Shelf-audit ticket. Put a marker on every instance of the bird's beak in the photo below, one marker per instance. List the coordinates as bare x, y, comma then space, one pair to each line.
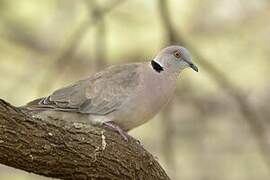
194, 67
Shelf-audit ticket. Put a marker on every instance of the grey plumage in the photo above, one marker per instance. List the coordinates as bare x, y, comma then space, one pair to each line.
98, 95
126, 95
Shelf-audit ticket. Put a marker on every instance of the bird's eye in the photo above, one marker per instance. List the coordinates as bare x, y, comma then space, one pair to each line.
177, 54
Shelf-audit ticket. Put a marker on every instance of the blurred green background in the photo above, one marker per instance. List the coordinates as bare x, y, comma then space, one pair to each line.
216, 128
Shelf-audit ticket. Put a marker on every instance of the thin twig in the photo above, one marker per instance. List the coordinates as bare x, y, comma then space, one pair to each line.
66, 56
224, 82
100, 37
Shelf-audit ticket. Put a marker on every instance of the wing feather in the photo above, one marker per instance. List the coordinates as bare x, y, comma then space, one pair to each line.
100, 94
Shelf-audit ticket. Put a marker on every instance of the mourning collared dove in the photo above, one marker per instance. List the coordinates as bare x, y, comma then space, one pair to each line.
121, 97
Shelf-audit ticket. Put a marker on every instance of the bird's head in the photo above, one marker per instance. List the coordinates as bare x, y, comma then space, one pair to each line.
173, 59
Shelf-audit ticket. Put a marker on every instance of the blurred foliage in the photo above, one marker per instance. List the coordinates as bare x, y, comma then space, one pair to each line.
49, 43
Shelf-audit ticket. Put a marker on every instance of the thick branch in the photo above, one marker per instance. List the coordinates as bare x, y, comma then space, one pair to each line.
65, 150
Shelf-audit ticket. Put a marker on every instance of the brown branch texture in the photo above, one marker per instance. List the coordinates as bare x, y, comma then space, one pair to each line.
67, 150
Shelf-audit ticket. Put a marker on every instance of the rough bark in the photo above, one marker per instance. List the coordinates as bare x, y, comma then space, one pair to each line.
65, 150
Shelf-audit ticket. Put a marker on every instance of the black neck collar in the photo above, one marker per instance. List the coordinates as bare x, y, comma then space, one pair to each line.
157, 67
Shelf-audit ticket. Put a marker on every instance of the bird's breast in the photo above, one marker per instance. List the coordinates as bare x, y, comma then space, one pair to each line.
155, 92
158, 91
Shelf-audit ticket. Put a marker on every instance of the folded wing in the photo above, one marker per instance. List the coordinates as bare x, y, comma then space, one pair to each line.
100, 94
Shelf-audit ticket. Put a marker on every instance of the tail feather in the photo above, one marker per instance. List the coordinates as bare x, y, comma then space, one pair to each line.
37, 105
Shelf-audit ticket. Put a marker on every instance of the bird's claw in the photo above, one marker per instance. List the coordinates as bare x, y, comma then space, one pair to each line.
116, 128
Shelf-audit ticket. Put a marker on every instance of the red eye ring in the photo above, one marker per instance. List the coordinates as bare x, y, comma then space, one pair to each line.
177, 54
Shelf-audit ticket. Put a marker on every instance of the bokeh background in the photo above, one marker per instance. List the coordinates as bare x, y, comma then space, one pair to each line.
216, 128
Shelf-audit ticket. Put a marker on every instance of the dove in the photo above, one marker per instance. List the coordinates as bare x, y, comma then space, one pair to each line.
120, 97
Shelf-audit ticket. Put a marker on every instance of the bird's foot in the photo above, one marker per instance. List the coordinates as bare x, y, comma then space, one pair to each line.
116, 128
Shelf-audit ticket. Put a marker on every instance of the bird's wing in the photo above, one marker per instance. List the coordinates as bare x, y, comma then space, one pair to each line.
100, 94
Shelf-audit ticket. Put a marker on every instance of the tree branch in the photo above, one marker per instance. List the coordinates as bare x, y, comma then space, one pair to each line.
250, 115
66, 56
66, 150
